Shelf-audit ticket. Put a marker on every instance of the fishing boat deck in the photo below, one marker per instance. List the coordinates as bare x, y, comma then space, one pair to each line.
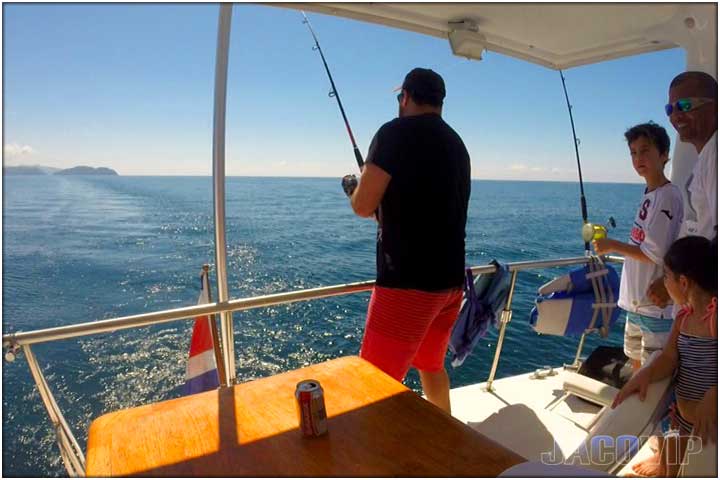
527, 415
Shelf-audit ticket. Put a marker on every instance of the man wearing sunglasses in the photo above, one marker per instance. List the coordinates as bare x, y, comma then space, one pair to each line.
417, 183
692, 109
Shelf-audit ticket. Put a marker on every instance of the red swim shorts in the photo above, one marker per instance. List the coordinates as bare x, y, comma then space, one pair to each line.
407, 328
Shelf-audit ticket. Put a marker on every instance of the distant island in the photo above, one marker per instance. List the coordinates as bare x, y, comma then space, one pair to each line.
41, 170
83, 170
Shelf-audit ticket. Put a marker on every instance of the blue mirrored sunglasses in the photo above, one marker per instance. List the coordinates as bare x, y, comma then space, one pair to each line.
686, 104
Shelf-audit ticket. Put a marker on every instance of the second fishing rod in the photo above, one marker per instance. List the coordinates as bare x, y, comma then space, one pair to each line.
590, 231
334, 93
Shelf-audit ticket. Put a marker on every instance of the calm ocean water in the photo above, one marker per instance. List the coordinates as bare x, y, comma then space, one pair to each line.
79, 249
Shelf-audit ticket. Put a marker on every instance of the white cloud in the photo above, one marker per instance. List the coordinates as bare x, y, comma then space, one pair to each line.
519, 167
13, 150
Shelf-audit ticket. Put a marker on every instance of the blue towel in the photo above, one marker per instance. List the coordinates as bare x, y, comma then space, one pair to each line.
484, 300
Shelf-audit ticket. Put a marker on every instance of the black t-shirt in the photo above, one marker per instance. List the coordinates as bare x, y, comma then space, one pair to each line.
421, 228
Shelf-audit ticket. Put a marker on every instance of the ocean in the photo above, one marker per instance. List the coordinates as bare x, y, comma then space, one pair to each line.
78, 249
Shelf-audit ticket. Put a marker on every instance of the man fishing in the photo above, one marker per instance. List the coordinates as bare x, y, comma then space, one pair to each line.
416, 182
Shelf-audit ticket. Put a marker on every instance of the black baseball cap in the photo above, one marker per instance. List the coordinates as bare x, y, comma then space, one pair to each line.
425, 86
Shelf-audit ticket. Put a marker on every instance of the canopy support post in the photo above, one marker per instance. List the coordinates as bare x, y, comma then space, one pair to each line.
221, 69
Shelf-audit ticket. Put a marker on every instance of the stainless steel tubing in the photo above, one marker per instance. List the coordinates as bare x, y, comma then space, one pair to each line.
65, 437
221, 68
504, 320
164, 316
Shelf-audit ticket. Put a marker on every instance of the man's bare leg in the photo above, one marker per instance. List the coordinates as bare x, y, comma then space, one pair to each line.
436, 386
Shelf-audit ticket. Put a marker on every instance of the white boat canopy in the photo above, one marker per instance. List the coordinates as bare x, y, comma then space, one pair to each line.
557, 35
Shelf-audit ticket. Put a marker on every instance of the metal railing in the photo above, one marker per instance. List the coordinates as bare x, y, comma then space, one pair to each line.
70, 451
19, 339
218, 151
72, 454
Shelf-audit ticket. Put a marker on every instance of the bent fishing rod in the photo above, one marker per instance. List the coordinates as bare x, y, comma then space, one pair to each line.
576, 141
334, 93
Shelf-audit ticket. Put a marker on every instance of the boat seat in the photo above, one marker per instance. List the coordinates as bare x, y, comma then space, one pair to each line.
631, 420
700, 460
589, 389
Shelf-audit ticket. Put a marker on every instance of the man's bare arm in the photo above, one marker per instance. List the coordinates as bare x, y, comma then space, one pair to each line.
369, 192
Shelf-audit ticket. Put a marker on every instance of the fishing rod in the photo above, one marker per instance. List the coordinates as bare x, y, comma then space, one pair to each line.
576, 141
334, 93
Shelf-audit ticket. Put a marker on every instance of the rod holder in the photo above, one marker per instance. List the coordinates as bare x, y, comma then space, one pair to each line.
505, 318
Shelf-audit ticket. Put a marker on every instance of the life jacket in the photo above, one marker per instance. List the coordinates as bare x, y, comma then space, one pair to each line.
585, 299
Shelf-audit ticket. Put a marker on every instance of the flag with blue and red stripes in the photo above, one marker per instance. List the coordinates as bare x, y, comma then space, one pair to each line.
201, 373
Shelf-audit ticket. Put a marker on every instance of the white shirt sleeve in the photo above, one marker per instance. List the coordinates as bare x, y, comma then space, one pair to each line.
710, 190
663, 226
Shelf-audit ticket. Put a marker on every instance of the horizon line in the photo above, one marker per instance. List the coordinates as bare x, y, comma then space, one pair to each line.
329, 176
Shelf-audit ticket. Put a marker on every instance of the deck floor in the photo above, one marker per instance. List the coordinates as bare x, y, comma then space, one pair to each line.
531, 416
516, 414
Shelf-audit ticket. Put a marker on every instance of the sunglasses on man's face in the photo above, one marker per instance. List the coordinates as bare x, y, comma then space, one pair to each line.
400, 97
686, 104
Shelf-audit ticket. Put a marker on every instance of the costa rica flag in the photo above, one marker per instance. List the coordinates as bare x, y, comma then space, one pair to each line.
202, 372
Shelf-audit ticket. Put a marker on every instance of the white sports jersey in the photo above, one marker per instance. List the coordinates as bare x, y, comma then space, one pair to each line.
701, 187
657, 224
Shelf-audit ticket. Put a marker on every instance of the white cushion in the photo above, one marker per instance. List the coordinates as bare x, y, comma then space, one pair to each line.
589, 388
553, 316
633, 417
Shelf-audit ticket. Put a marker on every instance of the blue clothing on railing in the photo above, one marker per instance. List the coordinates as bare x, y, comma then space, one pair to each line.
484, 300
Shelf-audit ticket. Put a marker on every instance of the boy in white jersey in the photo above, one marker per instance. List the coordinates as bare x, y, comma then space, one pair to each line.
656, 226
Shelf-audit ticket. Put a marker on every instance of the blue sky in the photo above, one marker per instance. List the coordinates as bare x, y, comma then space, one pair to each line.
129, 86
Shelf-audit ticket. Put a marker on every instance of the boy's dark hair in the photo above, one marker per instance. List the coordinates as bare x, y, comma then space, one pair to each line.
653, 132
697, 259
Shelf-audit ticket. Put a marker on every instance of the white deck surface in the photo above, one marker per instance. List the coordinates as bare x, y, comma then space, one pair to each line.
515, 414
536, 419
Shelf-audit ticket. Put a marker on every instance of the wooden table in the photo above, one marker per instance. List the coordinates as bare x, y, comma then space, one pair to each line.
376, 427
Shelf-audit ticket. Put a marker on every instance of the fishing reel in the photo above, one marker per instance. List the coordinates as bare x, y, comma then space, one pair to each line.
595, 231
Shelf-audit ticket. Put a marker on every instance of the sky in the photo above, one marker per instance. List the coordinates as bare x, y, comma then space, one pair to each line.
130, 87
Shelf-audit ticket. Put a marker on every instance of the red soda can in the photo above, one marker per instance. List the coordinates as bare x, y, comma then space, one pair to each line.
311, 408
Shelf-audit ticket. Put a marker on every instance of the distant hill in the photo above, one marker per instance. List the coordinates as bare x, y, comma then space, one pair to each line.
29, 170
83, 170
21, 170
42, 170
